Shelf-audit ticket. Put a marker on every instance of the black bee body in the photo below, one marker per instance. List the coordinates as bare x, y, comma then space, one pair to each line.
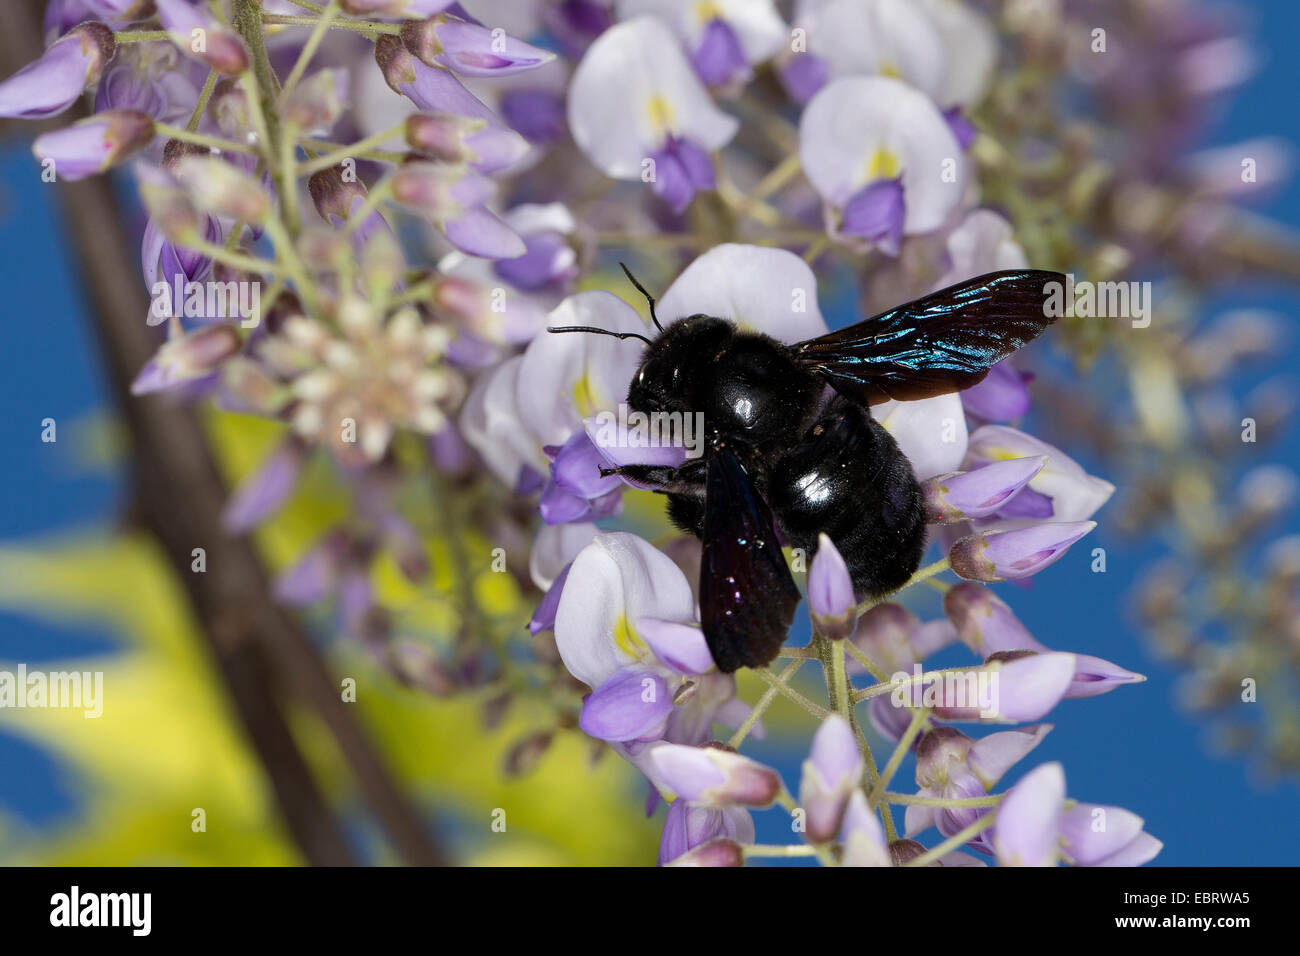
784, 463
845, 476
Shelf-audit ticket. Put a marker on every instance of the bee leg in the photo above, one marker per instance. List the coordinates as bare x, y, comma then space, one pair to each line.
687, 479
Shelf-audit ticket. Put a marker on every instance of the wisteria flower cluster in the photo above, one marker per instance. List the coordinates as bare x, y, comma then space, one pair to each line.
364, 217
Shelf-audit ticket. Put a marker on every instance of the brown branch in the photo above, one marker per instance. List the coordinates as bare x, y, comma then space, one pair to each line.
179, 496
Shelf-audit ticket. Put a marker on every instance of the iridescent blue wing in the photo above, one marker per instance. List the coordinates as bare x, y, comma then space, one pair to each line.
747, 596
942, 343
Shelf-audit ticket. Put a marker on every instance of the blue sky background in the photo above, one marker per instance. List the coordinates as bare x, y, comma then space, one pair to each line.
1133, 748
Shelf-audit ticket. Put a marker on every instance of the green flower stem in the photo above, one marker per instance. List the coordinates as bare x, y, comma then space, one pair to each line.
954, 842
896, 758
861, 657
212, 142
876, 690
915, 800
789, 692
237, 260
362, 149
764, 702
794, 849
841, 679
925, 573
287, 254
356, 26
376, 196
205, 95
309, 48
886, 816
289, 178
141, 36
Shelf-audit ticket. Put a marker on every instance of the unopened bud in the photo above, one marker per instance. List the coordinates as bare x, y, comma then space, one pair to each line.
219, 187
717, 852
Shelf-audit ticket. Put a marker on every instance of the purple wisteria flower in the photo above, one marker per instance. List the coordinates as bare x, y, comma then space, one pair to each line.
883, 159
426, 201
638, 112
52, 83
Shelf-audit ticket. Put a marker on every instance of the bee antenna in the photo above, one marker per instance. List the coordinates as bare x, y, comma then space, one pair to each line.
590, 328
648, 297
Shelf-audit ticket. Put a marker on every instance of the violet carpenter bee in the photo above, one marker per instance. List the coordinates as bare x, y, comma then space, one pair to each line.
784, 462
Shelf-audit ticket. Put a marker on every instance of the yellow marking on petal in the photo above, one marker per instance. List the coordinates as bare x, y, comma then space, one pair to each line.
891, 70
627, 639
884, 164
707, 11
584, 397
662, 117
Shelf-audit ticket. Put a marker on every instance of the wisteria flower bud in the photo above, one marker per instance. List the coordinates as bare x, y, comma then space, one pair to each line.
52, 83
174, 150
863, 836
442, 136
201, 36
1010, 688
717, 852
470, 49
168, 204
978, 493
524, 756
1029, 817
438, 190
984, 622
1022, 553
217, 185
95, 144
333, 196
712, 775
393, 8
830, 775
187, 357
830, 591
687, 826
317, 102
229, 106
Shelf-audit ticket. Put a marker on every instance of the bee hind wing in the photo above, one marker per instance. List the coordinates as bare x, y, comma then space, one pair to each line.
747, 596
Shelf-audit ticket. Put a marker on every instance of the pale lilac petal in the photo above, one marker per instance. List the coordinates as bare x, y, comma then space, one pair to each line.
876, 212
474, 50
760, 288
1141, 849
1094, 676
616, 580
1019, 553
715, 776
478, 232
989, 758
719, 56
803, 75
1093, 832
1028, 827
633, 89
981, 492
687, 826
863, 835
1075, 495
263, 492
1003, 396
629, 706
52, 83
830, 591
543, 618
678, 646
